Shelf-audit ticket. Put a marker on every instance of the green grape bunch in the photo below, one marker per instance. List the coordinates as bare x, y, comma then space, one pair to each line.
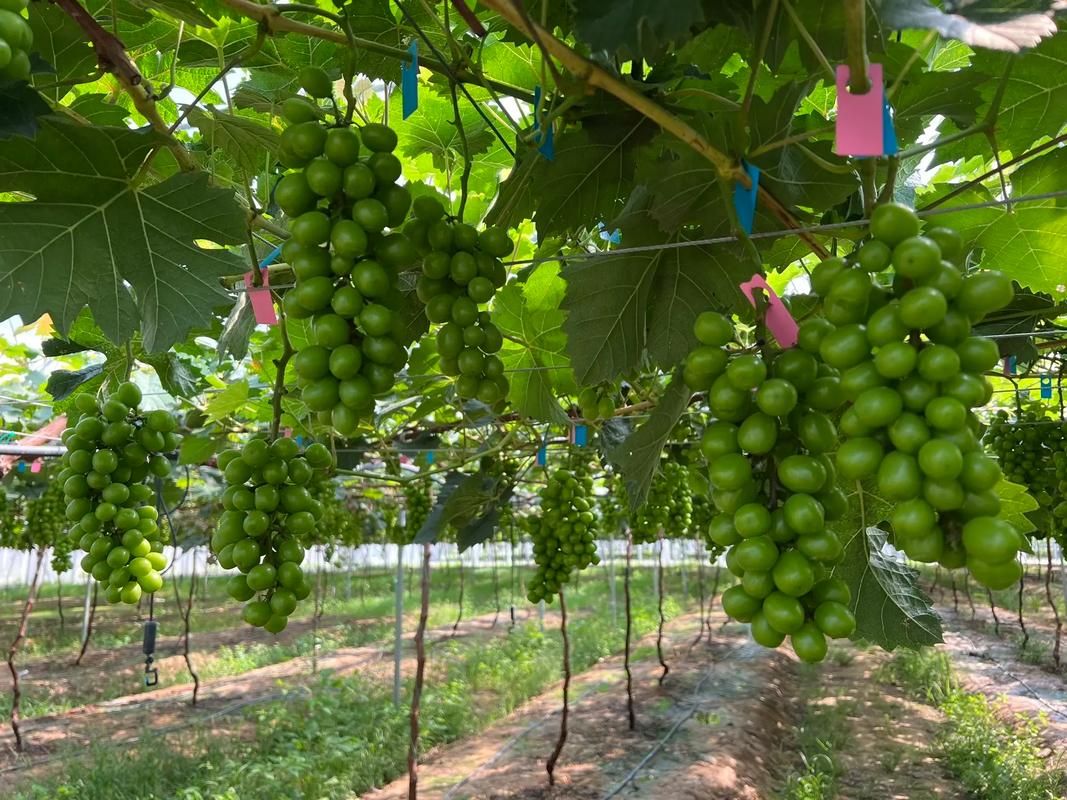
417, 506
1032, 451
113, 451
668, 507
461, 271
346, 251
12, 522
564, 532
911, 372
774, 488
16, 39
46, 525
270, 518
340, 524
597, 402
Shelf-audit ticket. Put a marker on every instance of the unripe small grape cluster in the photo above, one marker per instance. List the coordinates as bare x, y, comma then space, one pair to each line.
11, 520
1032, 451
597, 402
16, 40
46, 524
668, 507
461, 271
564, 532
113, 450
346, 253
417, 505
269, 520
912, 371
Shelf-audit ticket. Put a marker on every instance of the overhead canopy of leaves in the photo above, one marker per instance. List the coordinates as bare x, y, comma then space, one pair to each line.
91, 237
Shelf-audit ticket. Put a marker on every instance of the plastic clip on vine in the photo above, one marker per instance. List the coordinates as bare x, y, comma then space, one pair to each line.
112, 450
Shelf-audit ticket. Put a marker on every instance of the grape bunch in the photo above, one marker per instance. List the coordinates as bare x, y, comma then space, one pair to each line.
668, 507
46, 525
11, 521
775, 489
113, 450
417, 504
270, 519
1032, 451
911, 372
461, 271
597, 402
346, 253
16, 39
342, 525
564, 533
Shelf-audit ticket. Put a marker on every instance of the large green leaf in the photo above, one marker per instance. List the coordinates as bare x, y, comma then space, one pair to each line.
528, 314
432, 130
638, 456
377, 21
587, 182
1027, 243
1034, 96
91, 238
60, 41
891, 609
1015, 502
620, 308
20, 106
248, 142
635, 28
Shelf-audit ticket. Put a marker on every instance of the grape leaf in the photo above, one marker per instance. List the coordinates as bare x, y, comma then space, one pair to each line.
196, 449
227, 401
20, 106
466, 502
587, 182
248, 142
1015, 502
635, 28
1034, 92
375, 20
891, 609
620, 307
638, 456
60, 41
91, 238
433, 131
528, 314
96, 109
62, 383
183, 10
1026, 243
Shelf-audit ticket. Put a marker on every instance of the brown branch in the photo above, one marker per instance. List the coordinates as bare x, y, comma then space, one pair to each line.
111, 56
561, 740
276, 22
16, 689
592, 75
420, 671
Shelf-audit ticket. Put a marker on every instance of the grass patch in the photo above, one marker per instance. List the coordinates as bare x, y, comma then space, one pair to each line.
822, 732
994, 755
345, 737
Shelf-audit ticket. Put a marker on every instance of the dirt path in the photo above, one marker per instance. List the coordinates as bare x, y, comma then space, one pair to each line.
990, 665
887, 748
115, 719
723, 711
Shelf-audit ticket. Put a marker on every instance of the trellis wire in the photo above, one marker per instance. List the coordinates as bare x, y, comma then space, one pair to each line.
734, 239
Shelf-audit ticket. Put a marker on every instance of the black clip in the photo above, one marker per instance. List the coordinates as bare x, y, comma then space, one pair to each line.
151, 674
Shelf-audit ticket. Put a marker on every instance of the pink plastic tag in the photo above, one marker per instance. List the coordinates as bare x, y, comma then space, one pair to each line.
778, 319
860, 117
35, 467
262, 302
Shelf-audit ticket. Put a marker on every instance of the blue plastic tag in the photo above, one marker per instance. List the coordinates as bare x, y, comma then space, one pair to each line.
271, 257
1009, 365
409, 81
581, 435
542, 456
429, 456
546, 138
1046, 387
889, 133
745, 199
